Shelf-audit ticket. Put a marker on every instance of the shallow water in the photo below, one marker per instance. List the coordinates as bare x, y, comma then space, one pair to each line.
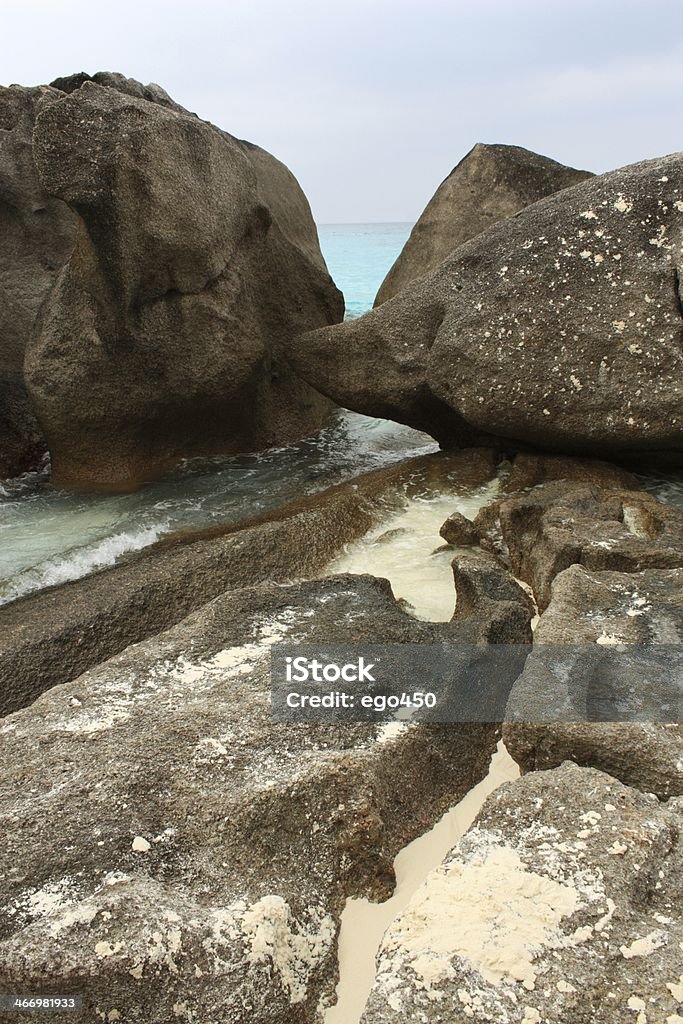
406, 549
49, 536
363, 923
666, 489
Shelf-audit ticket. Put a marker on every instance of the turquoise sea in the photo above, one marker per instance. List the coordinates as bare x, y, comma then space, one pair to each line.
358, 257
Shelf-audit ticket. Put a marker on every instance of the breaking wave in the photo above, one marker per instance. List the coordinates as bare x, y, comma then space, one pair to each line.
78, 562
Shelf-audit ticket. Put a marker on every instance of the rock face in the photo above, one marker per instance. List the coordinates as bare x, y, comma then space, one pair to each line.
168, 331
559, 327
560, 904
488, 185
599, 610
554, 525
37, 234
21, 442
605, 563
205, 852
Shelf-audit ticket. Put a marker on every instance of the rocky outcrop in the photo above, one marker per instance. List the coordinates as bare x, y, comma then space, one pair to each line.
604, 561
487, 592
152, 92
558, 328
196, 265
204, 852
607, 640
529, 469
560, 904
37, 234
488, 185
54, 635
546, 529
459, 531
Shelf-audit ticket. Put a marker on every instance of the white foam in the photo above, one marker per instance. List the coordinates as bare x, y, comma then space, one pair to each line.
406, 549
80, 562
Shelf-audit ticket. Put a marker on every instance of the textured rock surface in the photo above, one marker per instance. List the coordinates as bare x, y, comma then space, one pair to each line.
528, 470
459, 530
488, 592
37, 234
559, 327
488, 185
602, 609
114, 80
57, 634
561, 904
203, 853
21, 441
168, 331
552, 526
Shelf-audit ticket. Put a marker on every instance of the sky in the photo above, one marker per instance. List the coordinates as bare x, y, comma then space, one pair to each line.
372, 102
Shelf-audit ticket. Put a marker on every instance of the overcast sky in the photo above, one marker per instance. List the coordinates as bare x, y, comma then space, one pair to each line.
372, 102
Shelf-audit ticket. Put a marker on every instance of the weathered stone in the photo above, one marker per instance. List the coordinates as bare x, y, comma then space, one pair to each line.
203, 852
488, 185
459, 531
153, 93
552, 526
559, 328
561, 904
603, 609
487, 591
530, 469
37, 234
21, 442
54, 635
169, 330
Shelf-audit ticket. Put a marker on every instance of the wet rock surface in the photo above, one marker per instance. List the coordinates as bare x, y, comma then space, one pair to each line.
21, 442
459, 531
196, 265
489, 184
169, 850
560, 904
530, 468
559, 327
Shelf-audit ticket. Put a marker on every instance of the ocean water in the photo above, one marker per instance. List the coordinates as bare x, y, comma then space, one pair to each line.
359, 256
49, 536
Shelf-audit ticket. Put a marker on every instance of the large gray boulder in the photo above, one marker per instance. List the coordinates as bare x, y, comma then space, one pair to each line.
562, 904
559, 327
196, 266
37, 234
488, 185
171, 851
